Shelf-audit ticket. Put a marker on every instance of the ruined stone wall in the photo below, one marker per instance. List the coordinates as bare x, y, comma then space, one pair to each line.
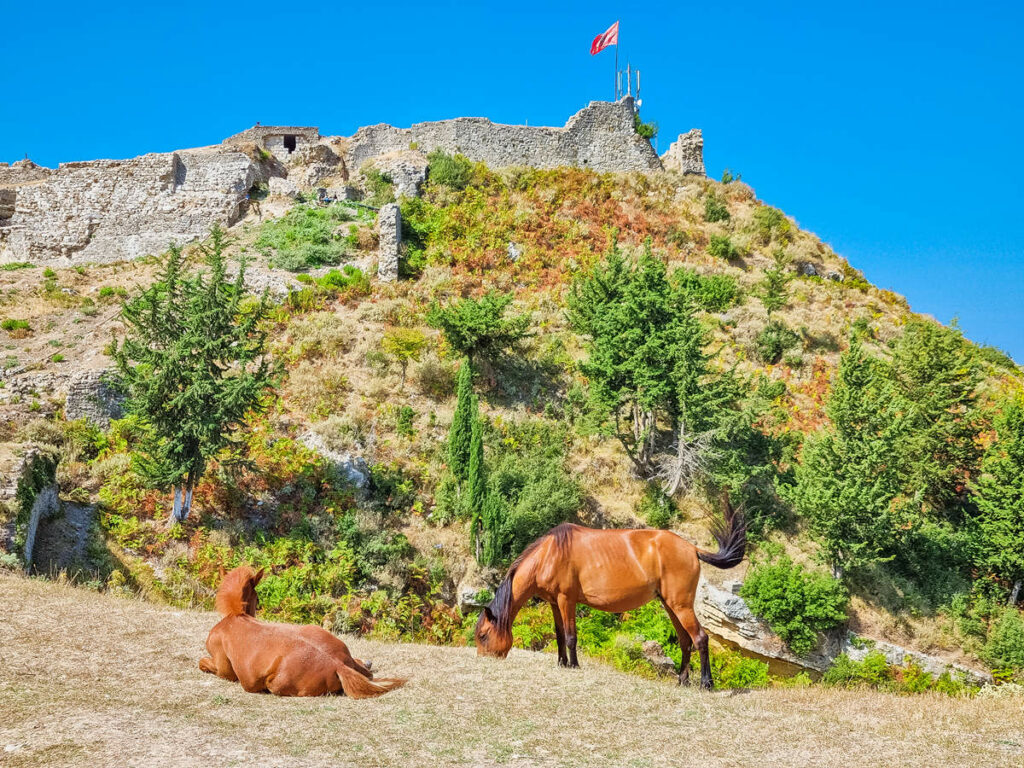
686, 154
113, 210
600, 136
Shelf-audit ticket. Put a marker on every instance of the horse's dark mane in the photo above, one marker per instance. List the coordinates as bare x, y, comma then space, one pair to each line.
501, 605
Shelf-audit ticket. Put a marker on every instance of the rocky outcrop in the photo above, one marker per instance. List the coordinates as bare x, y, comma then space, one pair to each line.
350, 467
686, 154
30, 491
407, 170
726, 617
389, 228
92, 396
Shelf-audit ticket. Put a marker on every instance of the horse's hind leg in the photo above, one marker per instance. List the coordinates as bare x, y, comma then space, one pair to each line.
568, 610
699, 637
563, 661
685, 645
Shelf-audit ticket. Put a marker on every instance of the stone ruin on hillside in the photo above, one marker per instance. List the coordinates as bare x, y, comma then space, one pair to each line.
115, 210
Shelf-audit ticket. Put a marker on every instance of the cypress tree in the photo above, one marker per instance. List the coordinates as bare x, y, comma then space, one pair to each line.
476, 482
460, 434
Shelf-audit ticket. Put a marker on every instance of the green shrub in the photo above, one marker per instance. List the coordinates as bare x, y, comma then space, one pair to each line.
58, 358
403, 422
49, 274
12, 324
455, 171
715, 209
644, 130
348, 279
111, 291
10, 266
875, 672
1004, 648
845, 672
712, 293
305, 238
796, 603
774, 340
379, 186
721, 247
771, 223
728, 178
656, 507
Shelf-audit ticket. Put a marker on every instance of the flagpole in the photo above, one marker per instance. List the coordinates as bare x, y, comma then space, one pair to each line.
615, 90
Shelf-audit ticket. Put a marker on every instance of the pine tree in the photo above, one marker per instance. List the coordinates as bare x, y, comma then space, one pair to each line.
849, 476
478, 328
999, 495
476, 484
195, 366
460, 434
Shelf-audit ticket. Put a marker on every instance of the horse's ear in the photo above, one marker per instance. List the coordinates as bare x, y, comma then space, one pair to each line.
258, 577
489, 614
223, 573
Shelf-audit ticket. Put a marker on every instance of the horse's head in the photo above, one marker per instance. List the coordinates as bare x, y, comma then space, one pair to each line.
237, 592
491, 638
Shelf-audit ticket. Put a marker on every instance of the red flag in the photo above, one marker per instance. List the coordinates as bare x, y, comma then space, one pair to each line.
602, 41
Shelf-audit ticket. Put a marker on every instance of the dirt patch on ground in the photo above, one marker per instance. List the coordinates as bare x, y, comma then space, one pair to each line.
95, 680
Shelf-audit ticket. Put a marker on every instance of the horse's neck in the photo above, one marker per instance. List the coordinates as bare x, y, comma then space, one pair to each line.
524, 584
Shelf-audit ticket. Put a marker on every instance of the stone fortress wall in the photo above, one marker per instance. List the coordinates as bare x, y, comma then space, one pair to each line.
115, 210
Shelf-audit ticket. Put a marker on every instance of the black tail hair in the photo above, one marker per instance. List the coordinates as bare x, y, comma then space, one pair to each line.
731, 534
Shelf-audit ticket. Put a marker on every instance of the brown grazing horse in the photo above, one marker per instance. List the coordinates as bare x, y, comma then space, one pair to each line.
285, 659
615, 571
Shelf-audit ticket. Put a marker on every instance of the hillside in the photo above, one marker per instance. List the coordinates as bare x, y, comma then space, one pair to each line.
96, 680
343, 485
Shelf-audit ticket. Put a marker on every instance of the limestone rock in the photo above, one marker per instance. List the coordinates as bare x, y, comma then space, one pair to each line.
91, 396
349, 466
283, 187
407, 170
686, 154
806, 268
389, 227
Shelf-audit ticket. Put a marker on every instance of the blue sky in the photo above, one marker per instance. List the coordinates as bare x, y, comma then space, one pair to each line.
892, 130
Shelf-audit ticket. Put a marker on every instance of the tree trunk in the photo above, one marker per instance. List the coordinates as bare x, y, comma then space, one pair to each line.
1015, 593
176, 516
187, 507
401, 386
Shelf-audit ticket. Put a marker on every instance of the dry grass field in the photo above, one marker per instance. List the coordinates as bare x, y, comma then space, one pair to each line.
95, 680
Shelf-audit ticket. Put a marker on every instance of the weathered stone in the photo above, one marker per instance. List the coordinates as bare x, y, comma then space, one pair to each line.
655, 655
389, 228
348, 466
514, 251
686, 154
601, 136
114, 210
91, 396
836, 277
278, 185
407, 170
726, 616
806, 268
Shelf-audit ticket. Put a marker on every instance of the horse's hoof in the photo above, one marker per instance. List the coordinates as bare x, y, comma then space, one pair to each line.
706, 685
368, 664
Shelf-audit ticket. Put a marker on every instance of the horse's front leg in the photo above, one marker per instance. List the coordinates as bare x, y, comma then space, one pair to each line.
563, 661
567, 608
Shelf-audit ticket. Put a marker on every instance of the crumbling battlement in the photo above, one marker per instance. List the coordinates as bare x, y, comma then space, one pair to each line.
600, 136
115, 210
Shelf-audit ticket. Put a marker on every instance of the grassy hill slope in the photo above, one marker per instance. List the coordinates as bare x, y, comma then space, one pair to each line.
96, 680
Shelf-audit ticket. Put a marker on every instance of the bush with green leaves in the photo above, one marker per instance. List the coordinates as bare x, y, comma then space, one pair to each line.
874, 671
644, 130
714, 208
656, 507
480, 328
712, 293
797, 603
380, 187
774, 340
721, 247
1004, 648
771, 224
454, 171
305, 238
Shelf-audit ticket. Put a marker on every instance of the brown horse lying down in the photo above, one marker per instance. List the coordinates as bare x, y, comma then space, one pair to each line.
611, 570
285, 659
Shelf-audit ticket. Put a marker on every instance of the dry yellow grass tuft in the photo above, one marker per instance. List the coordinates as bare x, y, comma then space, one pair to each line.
95, 680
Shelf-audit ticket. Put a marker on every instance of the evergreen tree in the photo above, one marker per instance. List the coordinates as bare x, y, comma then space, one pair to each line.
403, 345
476, 484
999, 494
460, 434
849, 477
774, 289
195, 366
478, 328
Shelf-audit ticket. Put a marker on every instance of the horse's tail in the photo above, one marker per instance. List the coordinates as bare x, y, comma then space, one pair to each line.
358, 686
731, 535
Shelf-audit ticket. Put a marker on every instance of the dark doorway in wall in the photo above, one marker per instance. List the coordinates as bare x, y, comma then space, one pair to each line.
289, 143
